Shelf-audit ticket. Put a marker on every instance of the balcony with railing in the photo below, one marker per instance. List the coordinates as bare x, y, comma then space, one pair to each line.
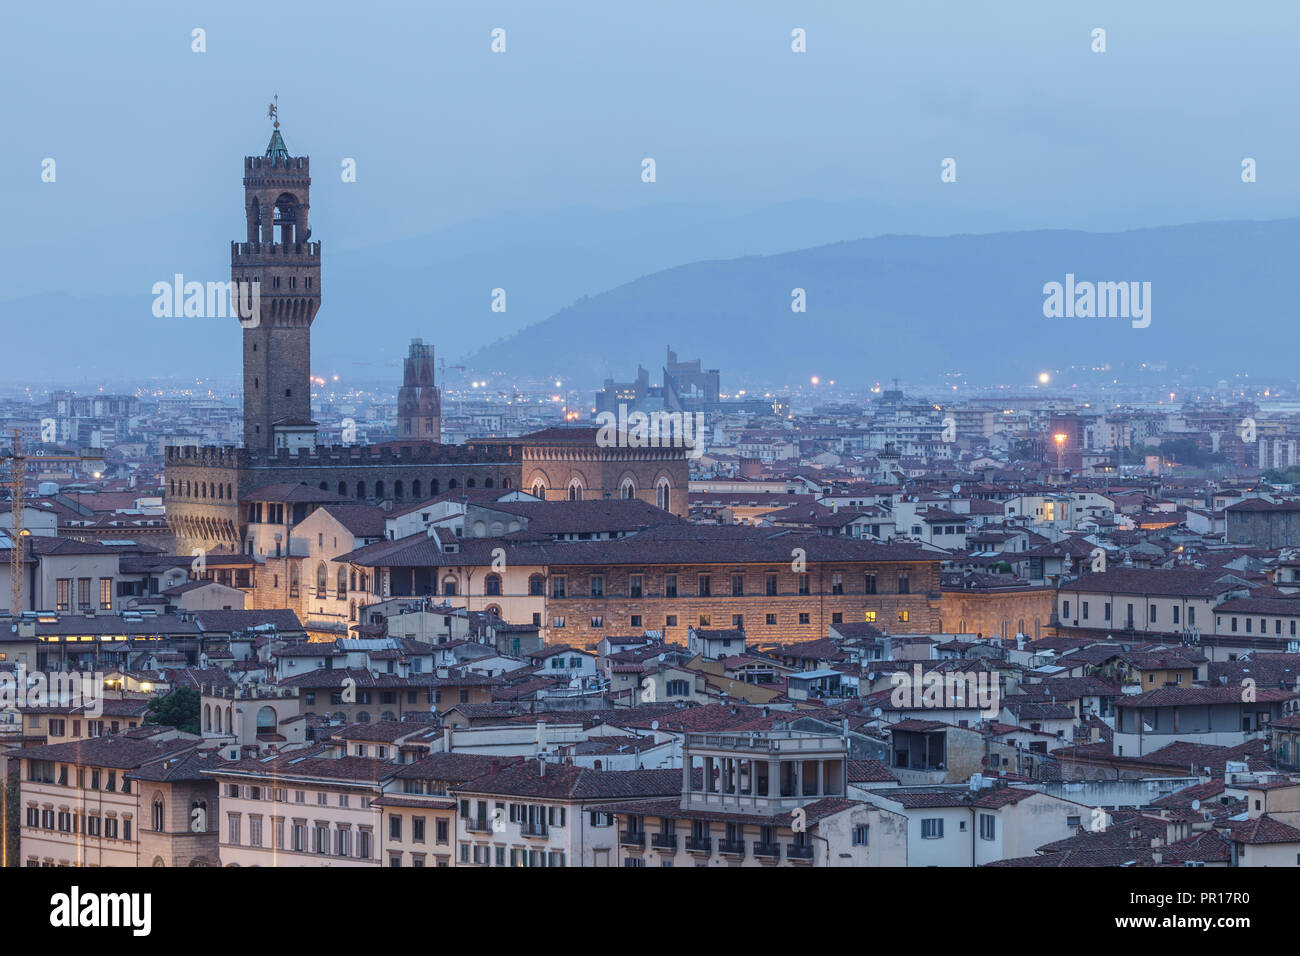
632, 838
769, 852
664, 841
699, 844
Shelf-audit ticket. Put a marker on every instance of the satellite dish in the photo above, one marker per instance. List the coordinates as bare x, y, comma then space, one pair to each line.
1196, 804
877, 712
654, 725
956, 489
871, 675
662, 658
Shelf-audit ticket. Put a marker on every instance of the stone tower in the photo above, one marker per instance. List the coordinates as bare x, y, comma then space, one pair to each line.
286, 266
419, 404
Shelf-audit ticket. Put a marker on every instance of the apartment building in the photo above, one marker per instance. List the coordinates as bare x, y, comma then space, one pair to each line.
671, 577
303, 808
776, 798
87, 802
1146, 600
420, 810
973, 825
540, 813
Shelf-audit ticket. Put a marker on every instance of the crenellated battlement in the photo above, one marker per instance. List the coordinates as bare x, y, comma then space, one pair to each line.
296, 166
270, 253
207, 456
229, 456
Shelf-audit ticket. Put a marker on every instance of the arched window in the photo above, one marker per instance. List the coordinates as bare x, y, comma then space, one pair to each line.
361, 489
415, 489
324, 486
266, 721
662, 493
434, 485
379, 489
397, 490
343, 489
449, 586
536, 586
352, 610
492, 585
207, 717
159, 814
452, 484
627, 489
487, 482
469, 482
388, 715
493, 610
505, 482
342, 582
294, 581
322, 580
363, 716
575, 490
539, 489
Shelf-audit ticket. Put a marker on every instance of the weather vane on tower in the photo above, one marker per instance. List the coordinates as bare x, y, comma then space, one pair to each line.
273, 110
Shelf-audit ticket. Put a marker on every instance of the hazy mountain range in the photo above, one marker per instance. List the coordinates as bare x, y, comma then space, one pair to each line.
590, 294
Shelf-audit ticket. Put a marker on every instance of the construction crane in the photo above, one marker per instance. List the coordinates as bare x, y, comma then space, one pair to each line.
18, 534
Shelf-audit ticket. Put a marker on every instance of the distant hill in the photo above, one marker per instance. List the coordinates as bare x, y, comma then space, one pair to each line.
1222, 302
911, 306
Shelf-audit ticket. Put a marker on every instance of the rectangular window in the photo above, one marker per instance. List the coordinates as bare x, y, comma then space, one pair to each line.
597, 585
705, 588
769, 584
670, 585
904, 584
804, 585
932, 828
557, 586
737, 585
869, 584
634, 585
105, 594
988, 826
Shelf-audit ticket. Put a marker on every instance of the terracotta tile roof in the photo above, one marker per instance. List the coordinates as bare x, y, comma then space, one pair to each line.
548, 781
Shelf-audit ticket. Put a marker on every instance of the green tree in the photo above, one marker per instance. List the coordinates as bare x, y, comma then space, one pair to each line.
179, 709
